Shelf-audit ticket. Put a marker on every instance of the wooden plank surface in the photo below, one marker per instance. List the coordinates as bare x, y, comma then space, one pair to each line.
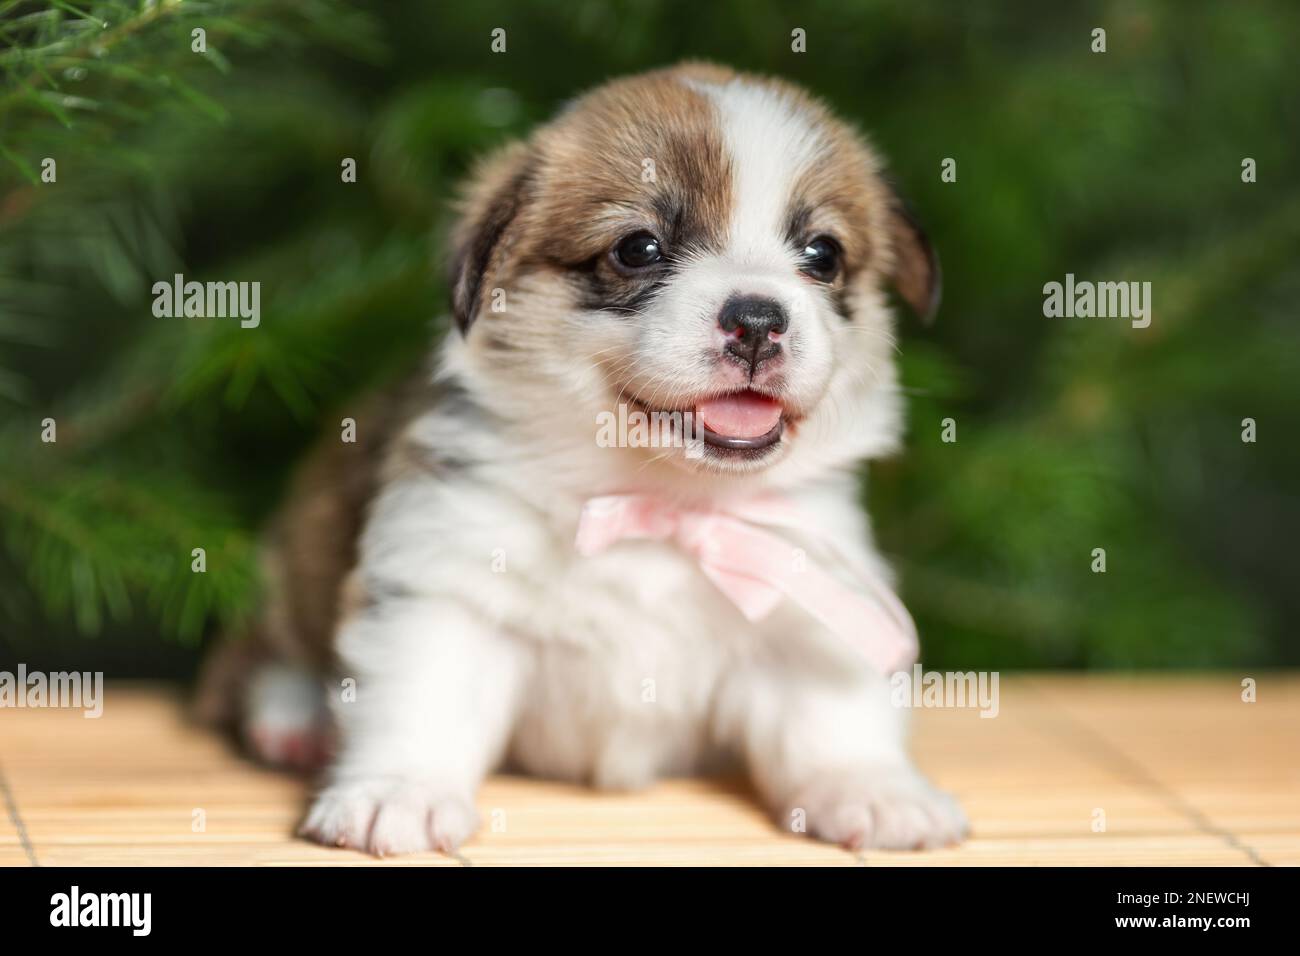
1182, 769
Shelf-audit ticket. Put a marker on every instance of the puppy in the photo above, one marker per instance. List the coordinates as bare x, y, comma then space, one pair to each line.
494, 586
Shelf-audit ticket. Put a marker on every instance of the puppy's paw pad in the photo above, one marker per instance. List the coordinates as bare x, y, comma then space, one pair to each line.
894, 809
292, 748
388, 819
286, 723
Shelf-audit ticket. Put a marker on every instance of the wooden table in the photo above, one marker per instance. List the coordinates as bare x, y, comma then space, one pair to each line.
1180, 770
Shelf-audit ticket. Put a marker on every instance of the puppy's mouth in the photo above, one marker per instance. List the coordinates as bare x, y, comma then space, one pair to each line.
736, 429
740, 421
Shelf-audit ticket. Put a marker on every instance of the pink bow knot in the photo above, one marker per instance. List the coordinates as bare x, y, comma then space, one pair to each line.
755, 568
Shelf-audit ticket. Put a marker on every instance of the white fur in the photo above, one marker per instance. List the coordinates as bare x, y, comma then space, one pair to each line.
493, 641
771, 142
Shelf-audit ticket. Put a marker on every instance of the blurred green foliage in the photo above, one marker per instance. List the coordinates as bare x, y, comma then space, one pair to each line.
1072, 434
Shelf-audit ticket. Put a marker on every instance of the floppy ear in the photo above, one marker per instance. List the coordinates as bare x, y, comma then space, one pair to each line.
492, 201
916, 275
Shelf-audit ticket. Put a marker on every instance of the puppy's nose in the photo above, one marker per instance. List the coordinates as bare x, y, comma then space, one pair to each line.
752, 323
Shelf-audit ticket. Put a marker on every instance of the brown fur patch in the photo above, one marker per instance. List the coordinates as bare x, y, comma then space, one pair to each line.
592, 163
585, 173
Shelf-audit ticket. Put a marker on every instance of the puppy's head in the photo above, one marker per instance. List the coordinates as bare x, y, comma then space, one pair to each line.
699, 242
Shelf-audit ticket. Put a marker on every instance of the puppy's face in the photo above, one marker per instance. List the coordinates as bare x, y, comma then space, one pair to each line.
698, 242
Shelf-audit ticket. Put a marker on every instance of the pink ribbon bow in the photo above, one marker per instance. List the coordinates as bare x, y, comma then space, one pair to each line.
755, 568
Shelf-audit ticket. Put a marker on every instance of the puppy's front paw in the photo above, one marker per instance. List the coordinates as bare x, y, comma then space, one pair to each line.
387, 817
894, 808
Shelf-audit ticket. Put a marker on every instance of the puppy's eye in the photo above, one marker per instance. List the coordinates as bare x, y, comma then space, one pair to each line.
638, 251
821, 259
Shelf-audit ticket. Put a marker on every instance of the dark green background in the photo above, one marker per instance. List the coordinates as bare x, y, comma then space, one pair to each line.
1073, 434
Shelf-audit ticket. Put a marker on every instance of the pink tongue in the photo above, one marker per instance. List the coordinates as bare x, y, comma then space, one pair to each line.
740, 415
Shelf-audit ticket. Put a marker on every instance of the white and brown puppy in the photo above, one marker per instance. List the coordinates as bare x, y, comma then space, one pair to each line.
689, 240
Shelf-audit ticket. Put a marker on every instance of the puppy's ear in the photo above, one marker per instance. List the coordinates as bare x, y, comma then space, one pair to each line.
916, 275
491, 204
